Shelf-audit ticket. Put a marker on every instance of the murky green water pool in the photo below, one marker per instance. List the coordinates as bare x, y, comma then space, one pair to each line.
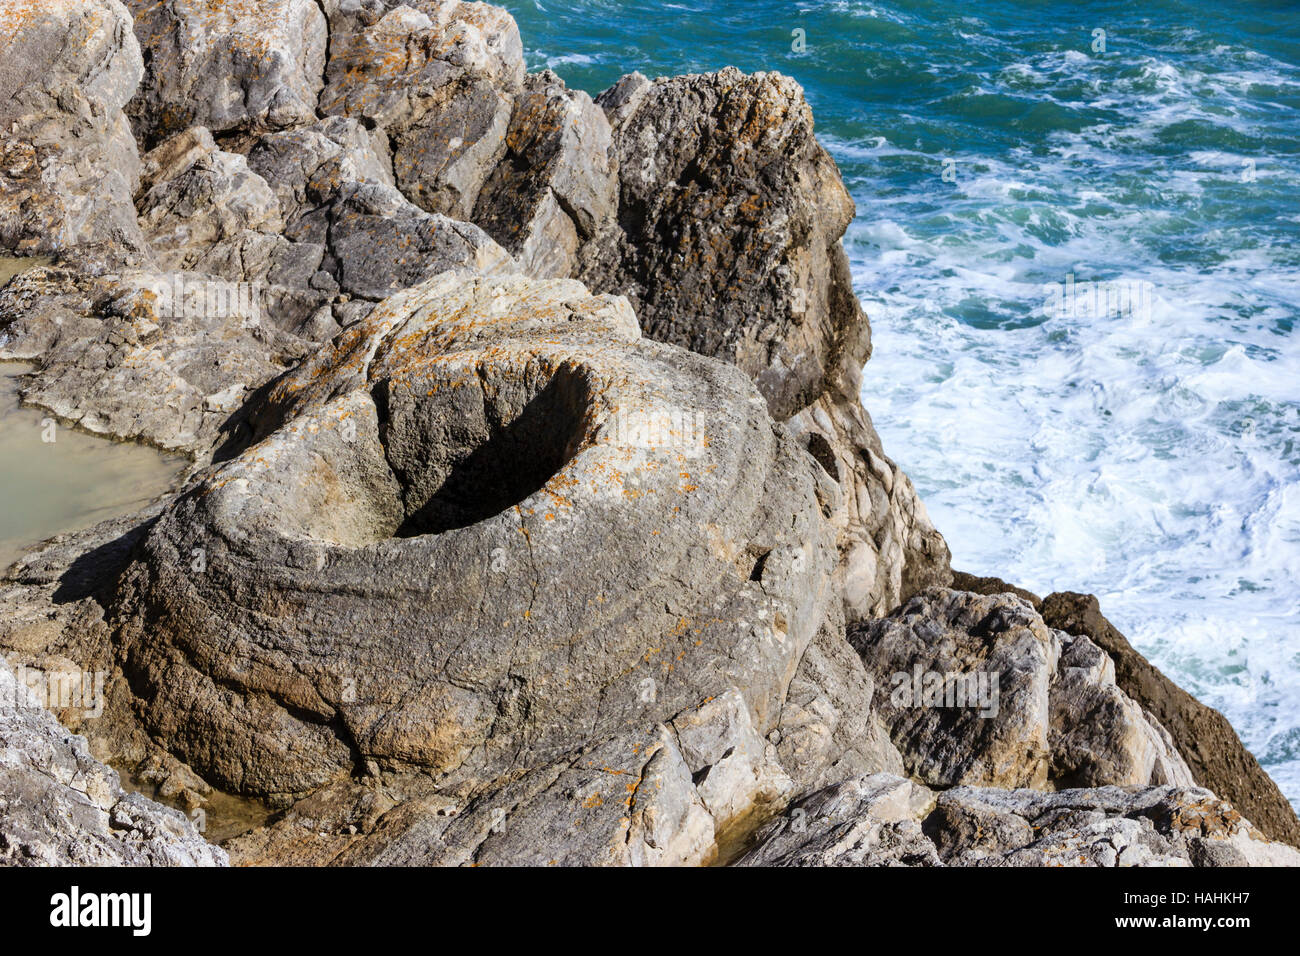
54, 479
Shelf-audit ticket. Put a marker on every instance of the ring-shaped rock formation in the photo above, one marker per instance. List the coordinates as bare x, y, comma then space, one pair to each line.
486, 526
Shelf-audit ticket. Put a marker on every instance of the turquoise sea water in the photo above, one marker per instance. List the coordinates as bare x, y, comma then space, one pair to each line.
1143, 444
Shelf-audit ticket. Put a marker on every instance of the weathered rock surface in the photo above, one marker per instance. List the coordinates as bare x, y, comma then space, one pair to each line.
677, 794
61, 807
727, 242
830, 729
68, 162
981, 692
159, 358
204, 211
481, 575
1217, 758
439, 78
554, 189
883, 820
394, 486
335, 188
231, 65
722, 186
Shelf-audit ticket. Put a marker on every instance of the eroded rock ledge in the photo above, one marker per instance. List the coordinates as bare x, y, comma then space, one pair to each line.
534, 515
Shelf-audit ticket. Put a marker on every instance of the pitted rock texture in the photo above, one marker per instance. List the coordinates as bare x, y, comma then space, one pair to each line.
68, 162
230, 65
489, 523
722, 186
61, 807
882, 820
977, 690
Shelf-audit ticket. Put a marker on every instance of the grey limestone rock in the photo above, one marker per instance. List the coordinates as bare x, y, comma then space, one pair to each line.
977, 690
61, 807
488, 523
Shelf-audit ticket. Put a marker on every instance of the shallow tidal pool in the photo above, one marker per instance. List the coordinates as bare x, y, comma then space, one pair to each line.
54, 479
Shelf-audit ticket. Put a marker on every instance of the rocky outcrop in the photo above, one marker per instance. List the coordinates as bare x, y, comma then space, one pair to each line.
160, 358
61, 807
1217, 758
68, 162
236, 65
335, 186
727, 242
391, 483
535, 516
473, 137
1213, 752
883, 820
983, 693
722, 186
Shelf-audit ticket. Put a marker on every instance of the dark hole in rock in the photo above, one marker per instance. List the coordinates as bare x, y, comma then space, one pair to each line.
470, 451
757, 573
821, 449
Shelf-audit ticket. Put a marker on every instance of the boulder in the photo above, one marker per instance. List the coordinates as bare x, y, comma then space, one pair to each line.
611, 531
883, 820
61, 807
867, 820
723, 187
68, 162
227, 65
981, 692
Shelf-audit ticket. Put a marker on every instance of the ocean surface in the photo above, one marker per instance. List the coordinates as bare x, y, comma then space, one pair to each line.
1078, 239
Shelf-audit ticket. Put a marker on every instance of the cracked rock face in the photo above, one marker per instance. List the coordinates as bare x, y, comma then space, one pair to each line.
61, 807
487, 521
235, 65
883, 820
473, 137
976, 690
68, 162
554, 189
